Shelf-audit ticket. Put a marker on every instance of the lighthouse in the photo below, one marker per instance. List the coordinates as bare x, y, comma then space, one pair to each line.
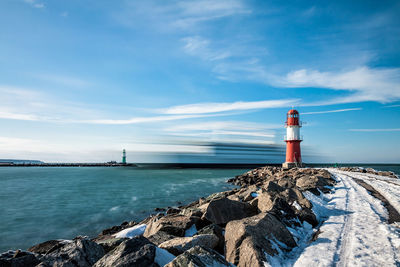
123, 156
292, 139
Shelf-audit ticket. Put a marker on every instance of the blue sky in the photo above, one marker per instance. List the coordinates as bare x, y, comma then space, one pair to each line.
80, 80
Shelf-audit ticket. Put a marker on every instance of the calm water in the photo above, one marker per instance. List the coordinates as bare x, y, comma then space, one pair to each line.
38, 204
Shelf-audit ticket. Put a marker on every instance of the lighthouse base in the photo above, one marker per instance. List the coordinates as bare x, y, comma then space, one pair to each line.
288, 165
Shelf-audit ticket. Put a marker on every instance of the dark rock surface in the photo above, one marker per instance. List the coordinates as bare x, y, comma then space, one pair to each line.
199, 257
18, 259
224, 210
137, 251
79, 252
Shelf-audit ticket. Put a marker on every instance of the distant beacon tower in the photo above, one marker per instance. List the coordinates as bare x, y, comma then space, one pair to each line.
292, 139
123, 156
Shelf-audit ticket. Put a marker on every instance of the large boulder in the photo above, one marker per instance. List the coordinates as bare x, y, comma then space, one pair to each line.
173, 224
224, 210
199, 257
18, 259
111, 243
312, 182
43, 248
160, 237
218, 231
80, 252
180, 244
247, 240
137, 251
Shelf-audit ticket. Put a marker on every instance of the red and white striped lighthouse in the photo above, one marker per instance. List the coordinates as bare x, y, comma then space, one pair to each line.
292, 139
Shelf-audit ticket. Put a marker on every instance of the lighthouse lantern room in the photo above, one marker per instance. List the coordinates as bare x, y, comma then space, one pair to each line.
292, 139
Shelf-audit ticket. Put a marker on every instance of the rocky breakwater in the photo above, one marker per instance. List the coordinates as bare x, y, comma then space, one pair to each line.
246, 226
369, 170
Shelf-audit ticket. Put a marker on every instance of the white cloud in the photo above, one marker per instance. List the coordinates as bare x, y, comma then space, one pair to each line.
198, 46
34, 3
330, 111
375, 130
203, 108
367, 84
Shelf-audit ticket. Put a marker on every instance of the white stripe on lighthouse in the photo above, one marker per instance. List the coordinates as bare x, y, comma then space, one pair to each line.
293, 133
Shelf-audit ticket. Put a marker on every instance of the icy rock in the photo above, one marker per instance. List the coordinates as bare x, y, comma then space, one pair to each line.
131, 232
199, 257
246, 240
180, 244
173, 224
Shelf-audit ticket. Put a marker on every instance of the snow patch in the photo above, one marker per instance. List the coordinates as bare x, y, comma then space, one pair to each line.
296, 205
254, 194
191, 231
163, 257
131, 232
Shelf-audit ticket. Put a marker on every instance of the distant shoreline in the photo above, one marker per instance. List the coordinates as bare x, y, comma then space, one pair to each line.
183, 165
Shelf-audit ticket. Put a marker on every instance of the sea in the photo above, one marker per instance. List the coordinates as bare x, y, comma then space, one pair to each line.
43, 203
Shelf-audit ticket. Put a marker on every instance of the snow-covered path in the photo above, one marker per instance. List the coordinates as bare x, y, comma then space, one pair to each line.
355, 231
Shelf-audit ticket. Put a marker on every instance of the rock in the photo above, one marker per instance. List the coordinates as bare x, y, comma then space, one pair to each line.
44, 247
110, 244
171, 224
294, 194
180, 244
223, 210
137, 251
311, 182
192, 211
246, 240
273, 188
199, 257
160, 237
173, 211
265, 202
218, 231
18, 259
79, 252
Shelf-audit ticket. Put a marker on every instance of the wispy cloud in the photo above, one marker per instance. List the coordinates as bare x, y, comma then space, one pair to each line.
64, 80
198, 46
203, 108
180, 14
368, 84
191, 12
330, 111
140, 119
392, 106
34, 3
375, 130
